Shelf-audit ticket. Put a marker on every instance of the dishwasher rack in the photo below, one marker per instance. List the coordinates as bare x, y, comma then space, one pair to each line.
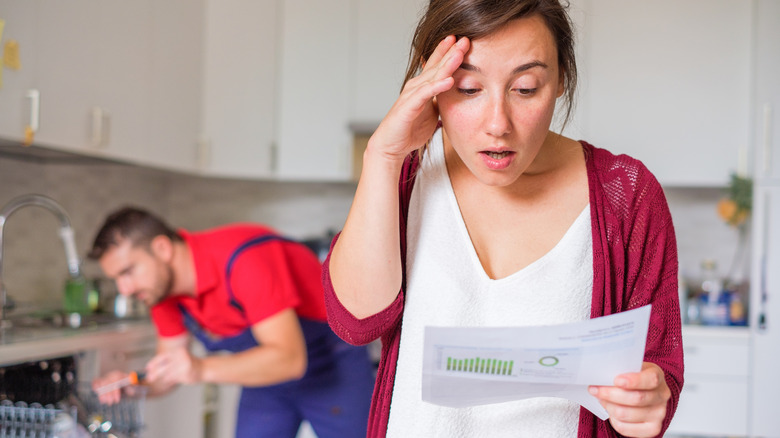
83, 417
20, 420
124, 419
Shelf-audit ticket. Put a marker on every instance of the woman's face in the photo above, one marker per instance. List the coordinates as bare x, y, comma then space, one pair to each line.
497, 115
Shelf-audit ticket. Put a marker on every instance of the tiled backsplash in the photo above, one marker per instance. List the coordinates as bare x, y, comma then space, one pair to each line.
34, 261
34, 267
701, 234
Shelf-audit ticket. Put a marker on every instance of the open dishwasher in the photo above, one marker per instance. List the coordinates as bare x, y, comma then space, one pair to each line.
44, 399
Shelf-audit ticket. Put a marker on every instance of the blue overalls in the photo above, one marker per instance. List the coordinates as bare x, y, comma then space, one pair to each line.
334, 395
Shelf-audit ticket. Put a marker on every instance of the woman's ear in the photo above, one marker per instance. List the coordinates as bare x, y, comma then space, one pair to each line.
162, 248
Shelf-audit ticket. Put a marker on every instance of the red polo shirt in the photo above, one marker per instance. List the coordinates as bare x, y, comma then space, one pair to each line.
265, 279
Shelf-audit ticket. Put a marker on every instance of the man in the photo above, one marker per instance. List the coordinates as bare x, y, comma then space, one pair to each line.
246, 290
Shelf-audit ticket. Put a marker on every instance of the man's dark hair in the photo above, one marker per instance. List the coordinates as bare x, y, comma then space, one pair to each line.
137, 225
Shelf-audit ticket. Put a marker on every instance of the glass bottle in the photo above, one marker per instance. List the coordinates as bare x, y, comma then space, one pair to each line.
77, 291
715, 306
739, 290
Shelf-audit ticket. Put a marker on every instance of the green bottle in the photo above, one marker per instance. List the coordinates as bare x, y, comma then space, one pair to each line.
77, 295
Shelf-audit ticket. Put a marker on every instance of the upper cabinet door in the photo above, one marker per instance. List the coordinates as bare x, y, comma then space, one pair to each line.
384, 37
21, 24
104, 86
148, 99
767, 90
668, 82
765, 311
240, 87
124, 40
65, 71
175, 84
314, 142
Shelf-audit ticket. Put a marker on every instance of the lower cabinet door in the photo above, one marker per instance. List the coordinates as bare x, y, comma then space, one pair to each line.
712, 405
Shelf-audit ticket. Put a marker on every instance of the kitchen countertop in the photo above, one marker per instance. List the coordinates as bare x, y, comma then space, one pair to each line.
25, 344
733, 333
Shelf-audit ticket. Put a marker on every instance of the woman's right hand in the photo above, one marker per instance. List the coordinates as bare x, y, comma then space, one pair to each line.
365, 263
413, 118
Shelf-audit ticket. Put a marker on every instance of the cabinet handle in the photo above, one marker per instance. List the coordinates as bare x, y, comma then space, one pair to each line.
766, 139
762, 283
100, 125
35, 112
274, 158
35, 109
203, 153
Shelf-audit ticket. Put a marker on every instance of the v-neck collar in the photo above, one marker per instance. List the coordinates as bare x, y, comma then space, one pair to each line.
436, 154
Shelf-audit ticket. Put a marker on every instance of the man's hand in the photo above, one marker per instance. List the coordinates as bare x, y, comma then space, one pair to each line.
112, 396
637, 403
174, 366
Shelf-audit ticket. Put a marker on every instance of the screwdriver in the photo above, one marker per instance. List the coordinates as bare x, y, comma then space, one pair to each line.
134, 378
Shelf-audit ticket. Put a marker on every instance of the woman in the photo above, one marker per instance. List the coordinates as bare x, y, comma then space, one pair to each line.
502, 222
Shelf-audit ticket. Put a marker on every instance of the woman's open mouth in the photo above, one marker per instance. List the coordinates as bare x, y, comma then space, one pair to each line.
497, 160
497, 155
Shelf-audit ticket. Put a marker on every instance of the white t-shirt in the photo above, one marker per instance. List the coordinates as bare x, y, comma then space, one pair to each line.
447, 286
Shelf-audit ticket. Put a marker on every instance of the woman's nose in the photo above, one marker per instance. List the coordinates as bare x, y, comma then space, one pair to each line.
498, 122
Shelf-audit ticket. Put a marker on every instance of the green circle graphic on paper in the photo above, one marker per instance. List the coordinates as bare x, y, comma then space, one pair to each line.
548, 361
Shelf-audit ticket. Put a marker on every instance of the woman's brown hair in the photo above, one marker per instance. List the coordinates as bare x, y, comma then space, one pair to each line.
478, 18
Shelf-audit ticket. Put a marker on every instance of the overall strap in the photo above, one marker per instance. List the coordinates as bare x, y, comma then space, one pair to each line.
191, 324
243, 340
255, 241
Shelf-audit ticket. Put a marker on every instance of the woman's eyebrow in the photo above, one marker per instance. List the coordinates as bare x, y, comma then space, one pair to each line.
519, 69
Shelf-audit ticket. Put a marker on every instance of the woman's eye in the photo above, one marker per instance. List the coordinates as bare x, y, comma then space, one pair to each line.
468, 91
525, 91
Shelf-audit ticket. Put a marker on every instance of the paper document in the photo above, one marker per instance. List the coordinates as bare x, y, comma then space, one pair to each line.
469, 366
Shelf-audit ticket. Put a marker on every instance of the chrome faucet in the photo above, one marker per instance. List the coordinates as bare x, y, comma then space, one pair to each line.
66, 234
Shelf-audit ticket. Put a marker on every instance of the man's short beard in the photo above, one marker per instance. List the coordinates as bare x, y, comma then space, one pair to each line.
167, 288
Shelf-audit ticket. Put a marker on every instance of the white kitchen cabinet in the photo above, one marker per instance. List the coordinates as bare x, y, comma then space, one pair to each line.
715, 393
719, 412
766, 106
668, 82
115, 79
276, 89
20, 26
382, 43
66, 73
149, 81
765, 312
315, 74
124, 39
240, 87
765, 230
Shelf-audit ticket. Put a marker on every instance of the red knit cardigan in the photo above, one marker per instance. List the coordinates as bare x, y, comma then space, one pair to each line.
634, 263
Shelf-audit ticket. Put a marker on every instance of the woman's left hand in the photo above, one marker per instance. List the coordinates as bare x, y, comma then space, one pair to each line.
637, 403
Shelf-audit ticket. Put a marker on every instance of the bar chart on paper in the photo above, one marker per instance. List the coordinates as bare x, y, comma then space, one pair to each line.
481, 365
499, 363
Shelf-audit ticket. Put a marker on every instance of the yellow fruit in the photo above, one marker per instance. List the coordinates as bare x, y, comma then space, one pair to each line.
730, 213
